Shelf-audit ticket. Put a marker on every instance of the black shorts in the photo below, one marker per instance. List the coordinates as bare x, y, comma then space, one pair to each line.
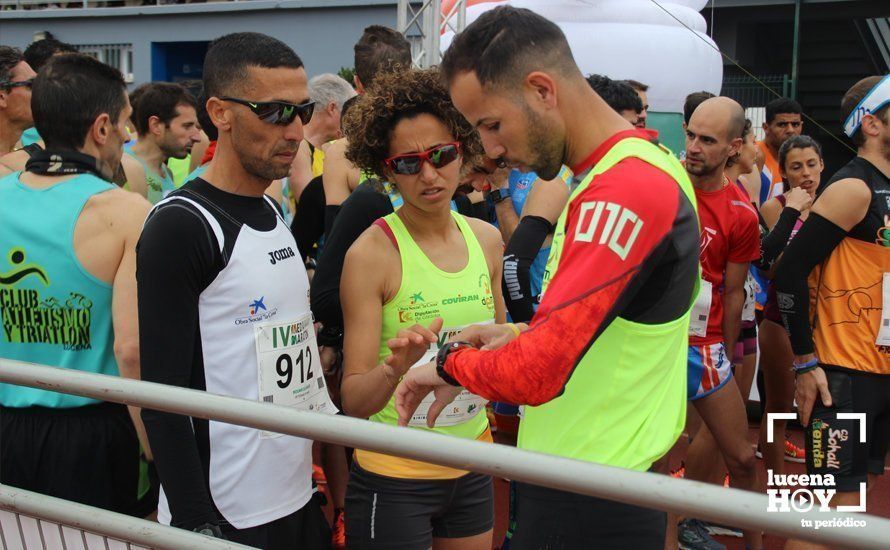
305, 529
406, 514
833, 445
86, 454
557, 520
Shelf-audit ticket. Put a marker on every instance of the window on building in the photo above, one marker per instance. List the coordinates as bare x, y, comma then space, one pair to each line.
119, 56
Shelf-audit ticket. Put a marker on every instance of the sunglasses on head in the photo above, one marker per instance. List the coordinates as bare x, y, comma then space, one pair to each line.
411, 163
20, 84
277, 112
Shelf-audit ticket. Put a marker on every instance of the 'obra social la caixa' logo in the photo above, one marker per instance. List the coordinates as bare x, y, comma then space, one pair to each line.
803, 493
257, 311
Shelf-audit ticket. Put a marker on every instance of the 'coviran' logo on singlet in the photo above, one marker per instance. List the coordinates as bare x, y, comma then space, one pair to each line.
29, 318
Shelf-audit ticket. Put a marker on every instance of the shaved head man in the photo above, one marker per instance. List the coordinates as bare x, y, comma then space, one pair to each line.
716, 128
730, 240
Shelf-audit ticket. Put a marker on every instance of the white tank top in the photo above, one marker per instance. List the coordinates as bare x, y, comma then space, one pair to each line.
255, 477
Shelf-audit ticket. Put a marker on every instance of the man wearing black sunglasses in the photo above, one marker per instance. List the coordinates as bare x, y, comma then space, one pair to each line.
219, 250
16, 77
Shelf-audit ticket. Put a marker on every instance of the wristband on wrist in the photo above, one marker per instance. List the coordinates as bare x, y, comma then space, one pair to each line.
801, 368
443, 354
514, 328
392, 379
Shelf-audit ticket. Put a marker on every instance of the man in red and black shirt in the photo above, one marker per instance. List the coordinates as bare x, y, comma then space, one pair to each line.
730, 239
627, 266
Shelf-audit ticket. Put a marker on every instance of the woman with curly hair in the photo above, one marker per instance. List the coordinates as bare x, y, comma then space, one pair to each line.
420, 263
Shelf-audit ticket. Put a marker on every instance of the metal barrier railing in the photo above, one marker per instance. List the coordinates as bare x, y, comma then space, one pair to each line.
29, 521
727, 506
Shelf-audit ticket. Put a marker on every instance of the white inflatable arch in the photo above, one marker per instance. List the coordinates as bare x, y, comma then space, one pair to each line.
631, 39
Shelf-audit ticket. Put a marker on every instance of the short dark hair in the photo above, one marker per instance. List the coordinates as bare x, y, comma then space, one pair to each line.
9, 58
617, 93
852, 99
398, 96
636, 85
160, 99
380, 49
38, 53
692, 102
782, 106
797, 142
136, 94
204, 119
229, 56
507, 43
69, 94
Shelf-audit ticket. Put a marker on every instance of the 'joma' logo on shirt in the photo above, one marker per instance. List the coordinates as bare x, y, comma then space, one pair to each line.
281, 254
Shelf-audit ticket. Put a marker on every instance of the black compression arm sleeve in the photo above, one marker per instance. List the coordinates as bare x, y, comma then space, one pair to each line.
173, 262
773, 243
309, 219
331, 211
466, 207
480, 211
358, 212
815, 241
463, 204
521, 251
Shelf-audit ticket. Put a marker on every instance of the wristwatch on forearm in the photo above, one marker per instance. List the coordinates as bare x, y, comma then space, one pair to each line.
443, 354
500, 194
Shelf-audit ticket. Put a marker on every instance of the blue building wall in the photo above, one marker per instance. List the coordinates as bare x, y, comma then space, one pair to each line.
322, 32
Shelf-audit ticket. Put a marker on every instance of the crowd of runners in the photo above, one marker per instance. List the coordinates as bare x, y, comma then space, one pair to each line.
494, 241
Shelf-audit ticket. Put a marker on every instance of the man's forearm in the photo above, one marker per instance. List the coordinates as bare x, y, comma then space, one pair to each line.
507, 218
733, 302
127, 357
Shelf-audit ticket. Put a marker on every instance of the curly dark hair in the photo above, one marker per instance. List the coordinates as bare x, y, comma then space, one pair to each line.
396, 96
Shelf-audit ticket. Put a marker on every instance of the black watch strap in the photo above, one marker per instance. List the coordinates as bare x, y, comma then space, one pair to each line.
498, 195
443, 354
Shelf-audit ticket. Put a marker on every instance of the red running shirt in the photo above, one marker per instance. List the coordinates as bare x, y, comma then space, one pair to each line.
729, 233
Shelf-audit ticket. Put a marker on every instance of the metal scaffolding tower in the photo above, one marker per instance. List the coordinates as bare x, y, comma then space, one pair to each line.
424, 25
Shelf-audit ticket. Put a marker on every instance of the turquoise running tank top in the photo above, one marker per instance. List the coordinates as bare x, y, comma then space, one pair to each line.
53, 311
158, 188
30, 136
196, 173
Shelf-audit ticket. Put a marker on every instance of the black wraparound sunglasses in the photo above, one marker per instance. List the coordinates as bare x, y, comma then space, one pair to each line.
277, 112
